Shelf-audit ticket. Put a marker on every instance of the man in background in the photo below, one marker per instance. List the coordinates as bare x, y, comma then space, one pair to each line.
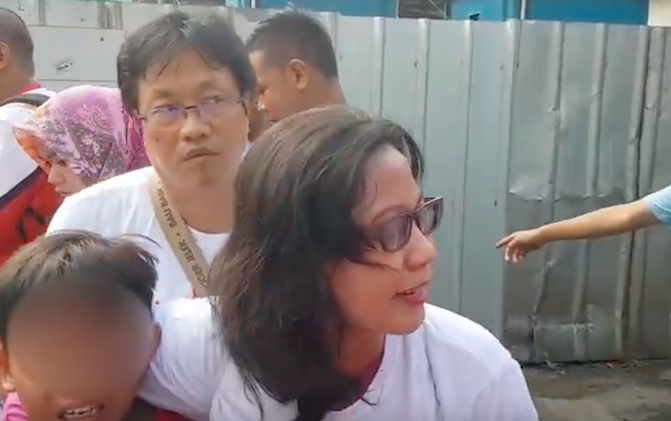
17, 68
258, 119
27, 200
295, 65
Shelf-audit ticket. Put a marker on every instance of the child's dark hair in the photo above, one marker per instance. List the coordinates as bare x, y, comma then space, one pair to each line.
85, 260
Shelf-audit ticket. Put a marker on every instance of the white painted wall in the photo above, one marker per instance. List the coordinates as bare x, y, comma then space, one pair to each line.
76, 42
659, 13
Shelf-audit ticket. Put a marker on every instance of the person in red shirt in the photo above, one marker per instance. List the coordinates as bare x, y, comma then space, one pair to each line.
77, 331
27, 200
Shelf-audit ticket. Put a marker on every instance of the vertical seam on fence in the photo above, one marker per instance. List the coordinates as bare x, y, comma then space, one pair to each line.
548, 203
461, 200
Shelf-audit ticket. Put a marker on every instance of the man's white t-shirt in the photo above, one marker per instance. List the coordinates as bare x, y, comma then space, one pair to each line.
15, 164
450, 369
122, 206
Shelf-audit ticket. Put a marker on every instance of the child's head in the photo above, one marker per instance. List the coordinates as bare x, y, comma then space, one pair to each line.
76, 325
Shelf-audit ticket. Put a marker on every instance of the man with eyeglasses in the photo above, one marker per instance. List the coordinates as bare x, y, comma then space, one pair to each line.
188, 79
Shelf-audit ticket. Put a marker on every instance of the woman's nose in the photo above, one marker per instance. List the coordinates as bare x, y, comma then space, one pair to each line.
54, 177
421, 249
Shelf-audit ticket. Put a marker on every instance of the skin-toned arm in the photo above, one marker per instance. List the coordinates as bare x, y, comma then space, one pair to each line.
600, 223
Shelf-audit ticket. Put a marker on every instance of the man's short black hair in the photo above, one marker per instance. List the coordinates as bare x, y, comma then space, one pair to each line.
15, 33
160, 40
92, 265
292, 35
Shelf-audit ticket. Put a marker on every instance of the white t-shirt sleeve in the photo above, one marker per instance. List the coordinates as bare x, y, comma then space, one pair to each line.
81, 211
659, 204
474, 372
67, 217
190, 362
506, 397
15, 164
113, 207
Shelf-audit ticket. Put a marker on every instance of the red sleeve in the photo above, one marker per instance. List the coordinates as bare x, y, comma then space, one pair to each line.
163, 415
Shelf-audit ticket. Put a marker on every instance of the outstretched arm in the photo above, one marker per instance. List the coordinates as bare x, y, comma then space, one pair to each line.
651, 210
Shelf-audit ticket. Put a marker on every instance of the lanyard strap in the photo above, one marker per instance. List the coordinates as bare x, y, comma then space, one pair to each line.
181, 240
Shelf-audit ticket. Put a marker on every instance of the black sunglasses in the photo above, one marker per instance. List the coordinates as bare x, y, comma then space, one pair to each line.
394, 233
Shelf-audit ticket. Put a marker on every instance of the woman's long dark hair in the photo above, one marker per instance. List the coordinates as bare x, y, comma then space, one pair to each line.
296, 191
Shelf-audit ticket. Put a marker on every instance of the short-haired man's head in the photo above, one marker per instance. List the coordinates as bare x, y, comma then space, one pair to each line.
291, 35
83, 267
163, 39
16, 42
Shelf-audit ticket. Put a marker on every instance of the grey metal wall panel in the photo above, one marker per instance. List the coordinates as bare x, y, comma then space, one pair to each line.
483, 224
446, 123
360, 60
651, 283
576, 84
521, 124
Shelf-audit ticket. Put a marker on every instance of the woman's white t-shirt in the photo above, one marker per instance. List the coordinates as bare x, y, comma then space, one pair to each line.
450, 369
122, 206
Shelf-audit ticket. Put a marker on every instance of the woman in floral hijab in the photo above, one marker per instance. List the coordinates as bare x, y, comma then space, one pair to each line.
82, 136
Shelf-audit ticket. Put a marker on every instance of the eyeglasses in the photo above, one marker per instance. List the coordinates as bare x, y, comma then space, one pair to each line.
209, 110
394, 233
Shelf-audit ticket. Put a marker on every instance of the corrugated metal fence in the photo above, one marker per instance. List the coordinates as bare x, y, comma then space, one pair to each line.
521, 124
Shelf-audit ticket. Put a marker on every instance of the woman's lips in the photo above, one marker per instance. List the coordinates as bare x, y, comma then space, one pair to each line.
415, 296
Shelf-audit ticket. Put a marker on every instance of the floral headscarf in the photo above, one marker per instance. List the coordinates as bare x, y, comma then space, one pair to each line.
87, 128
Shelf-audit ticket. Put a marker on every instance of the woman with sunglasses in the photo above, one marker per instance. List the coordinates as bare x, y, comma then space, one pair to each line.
322, 294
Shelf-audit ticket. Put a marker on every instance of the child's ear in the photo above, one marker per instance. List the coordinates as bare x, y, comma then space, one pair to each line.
5, 371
